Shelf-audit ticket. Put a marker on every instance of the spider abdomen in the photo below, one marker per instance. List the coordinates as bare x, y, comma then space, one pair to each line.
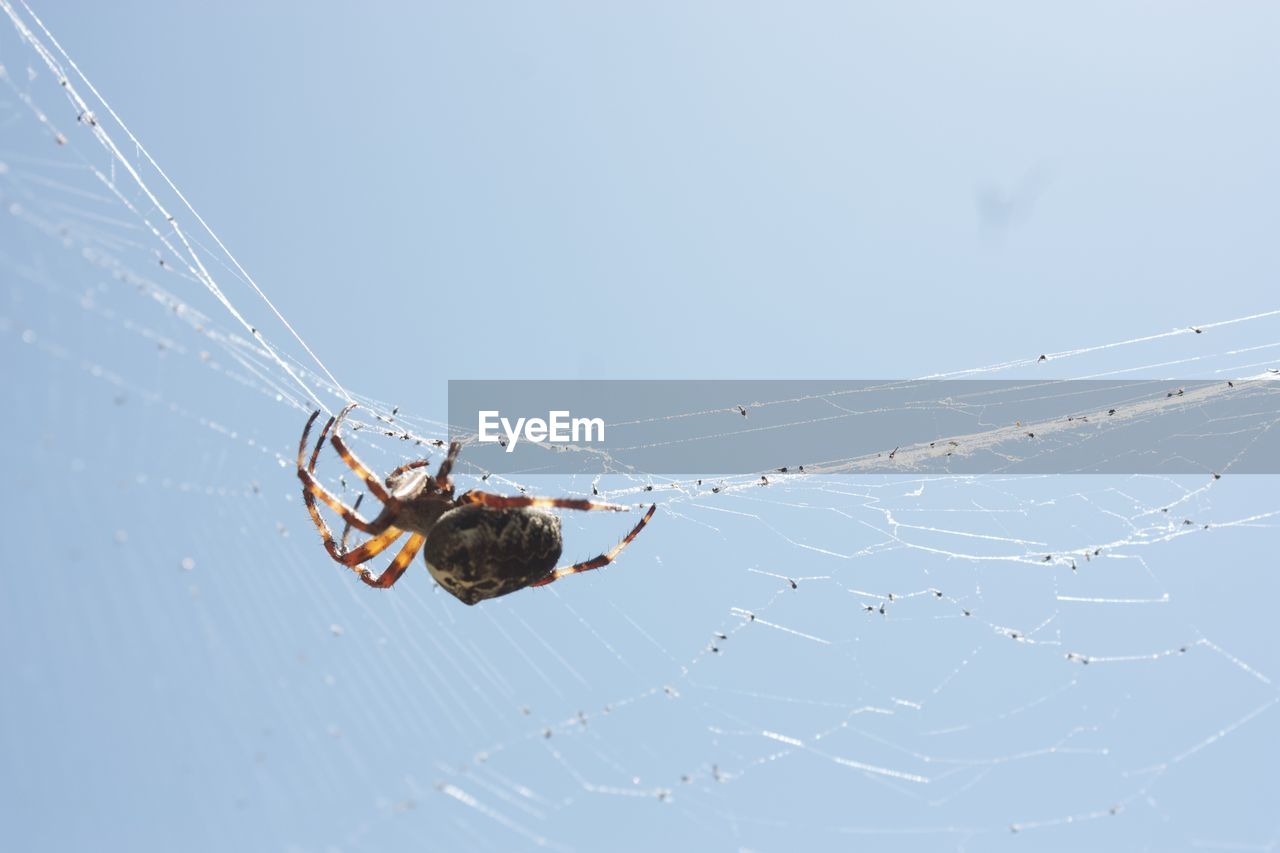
477, 552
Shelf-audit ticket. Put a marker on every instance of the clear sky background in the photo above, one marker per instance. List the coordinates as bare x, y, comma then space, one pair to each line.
442, 191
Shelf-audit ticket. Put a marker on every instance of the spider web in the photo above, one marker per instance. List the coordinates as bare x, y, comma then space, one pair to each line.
913, 661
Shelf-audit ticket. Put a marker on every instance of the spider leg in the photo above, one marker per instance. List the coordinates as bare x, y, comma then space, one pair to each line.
502, 502
375, 486
442, 476
346, 528
601, 561
408, 466
312, 488
383, 533
392, 573
370, 548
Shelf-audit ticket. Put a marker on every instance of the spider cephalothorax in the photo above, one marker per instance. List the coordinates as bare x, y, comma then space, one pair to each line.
478, 545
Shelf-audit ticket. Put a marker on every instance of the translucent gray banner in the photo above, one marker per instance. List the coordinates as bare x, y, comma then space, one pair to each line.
735, 427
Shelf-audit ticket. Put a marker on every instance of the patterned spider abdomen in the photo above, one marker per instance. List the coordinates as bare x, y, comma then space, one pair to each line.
477, 552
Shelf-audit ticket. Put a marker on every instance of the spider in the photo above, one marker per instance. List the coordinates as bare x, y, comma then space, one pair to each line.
477, 545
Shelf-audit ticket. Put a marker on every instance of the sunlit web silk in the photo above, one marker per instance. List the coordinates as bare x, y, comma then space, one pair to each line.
901, 662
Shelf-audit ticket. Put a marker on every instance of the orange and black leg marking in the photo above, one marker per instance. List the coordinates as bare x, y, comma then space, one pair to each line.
384, 534
370, 479
502, 502
408, 466
346, 528
601, 561
312, 488
442, 476
370, 548
392, 573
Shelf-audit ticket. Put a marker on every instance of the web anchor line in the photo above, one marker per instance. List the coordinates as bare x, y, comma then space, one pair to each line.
197, 267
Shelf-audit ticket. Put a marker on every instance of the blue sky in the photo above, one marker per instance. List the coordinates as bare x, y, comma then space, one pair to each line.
432, 192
